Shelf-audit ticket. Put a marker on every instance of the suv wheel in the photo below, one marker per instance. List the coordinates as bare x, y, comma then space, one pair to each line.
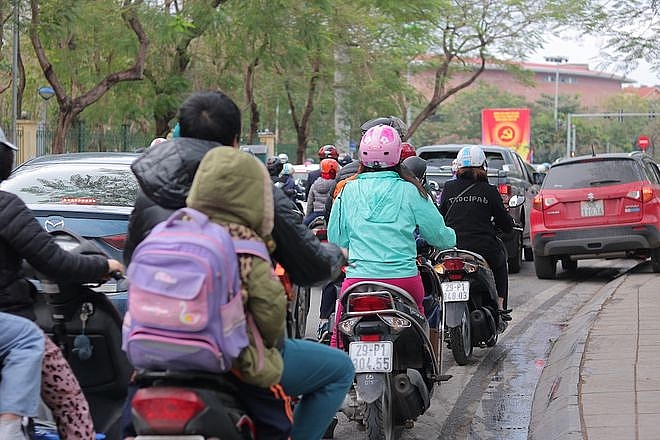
515, 259
655, 260
569, 265
545, 267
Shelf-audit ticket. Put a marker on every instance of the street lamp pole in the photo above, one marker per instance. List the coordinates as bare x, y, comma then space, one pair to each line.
557, 60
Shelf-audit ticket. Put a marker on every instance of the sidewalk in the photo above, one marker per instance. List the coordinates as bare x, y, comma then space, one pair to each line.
602, 380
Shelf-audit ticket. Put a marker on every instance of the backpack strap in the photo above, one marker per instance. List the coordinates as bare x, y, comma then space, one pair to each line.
258, 249
198, 217
252, 247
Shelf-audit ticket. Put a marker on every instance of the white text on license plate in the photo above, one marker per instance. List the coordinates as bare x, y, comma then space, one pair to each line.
455, 291
592, 209
371, 357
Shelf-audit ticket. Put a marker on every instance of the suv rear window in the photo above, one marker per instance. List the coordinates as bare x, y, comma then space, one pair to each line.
591, 173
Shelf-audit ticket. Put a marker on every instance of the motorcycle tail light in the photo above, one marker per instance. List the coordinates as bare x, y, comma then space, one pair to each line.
116, 241
370, 338
368, 303
453, 264
167, 410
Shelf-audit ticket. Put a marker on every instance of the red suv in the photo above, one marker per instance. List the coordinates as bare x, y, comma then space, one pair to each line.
599, 206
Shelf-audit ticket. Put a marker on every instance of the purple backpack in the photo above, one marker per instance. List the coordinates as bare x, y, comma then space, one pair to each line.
185, 311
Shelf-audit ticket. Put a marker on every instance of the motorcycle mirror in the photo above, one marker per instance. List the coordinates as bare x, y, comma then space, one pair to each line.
434, 185
516, 201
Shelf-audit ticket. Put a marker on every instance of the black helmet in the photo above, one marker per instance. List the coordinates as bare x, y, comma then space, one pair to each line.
392, 121
345, 159
417, 165
274, 165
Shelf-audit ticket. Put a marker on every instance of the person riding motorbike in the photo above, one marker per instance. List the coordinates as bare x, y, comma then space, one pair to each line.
474, 208
375, 216
287, 183
321, 190
347, 173
165, 174
23, 237
325, 152
274, 166
21, 354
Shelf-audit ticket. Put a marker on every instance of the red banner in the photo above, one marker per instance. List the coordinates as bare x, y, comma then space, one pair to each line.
508, 127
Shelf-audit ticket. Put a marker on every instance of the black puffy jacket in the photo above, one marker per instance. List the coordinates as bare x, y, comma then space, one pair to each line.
165, 174
22, 237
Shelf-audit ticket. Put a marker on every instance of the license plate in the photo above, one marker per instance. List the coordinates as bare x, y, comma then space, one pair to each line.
455, 291
371, 357
592, 209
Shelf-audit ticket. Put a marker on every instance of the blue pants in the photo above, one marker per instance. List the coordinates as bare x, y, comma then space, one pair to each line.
21, 353
321, 376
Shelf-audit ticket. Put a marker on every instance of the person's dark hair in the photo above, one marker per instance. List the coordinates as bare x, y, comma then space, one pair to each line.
6, 161
212, 116
475, 173
402, 171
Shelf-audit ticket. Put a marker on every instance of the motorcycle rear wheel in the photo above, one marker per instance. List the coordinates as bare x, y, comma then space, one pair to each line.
460, 339
378, 416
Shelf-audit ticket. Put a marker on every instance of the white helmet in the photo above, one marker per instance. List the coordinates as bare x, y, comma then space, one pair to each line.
472, 156
284, 158
287, 170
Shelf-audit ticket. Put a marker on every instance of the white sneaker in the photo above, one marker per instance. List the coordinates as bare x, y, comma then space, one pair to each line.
13, 430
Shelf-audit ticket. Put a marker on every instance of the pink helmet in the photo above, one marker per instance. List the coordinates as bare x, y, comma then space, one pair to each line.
380, 147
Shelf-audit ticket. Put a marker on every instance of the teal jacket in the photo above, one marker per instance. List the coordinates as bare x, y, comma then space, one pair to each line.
374, 218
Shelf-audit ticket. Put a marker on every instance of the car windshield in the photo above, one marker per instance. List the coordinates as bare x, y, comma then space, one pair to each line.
74, 184
592, 173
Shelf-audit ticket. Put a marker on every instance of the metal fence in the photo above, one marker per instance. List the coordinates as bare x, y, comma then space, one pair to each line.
80, 139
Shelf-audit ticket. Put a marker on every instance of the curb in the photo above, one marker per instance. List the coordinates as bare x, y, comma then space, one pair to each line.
555, 413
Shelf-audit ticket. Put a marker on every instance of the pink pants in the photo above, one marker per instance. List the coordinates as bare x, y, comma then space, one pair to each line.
61, 392
413, 285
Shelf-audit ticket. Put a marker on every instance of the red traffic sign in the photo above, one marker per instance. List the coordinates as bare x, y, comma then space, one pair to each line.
643, 142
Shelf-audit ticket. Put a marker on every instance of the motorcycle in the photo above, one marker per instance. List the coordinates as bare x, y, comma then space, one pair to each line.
469, 300
87, 328
186, 405
396, 365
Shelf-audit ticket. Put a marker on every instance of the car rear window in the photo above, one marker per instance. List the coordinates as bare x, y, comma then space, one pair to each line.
438, 158
80, 184
592, 173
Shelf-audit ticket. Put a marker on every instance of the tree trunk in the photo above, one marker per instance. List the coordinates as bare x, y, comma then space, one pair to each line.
69, 107
249, 100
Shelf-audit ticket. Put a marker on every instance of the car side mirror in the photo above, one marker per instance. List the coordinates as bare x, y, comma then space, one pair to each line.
516, 201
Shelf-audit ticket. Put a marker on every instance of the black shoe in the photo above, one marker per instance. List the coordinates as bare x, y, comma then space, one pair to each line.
505, 315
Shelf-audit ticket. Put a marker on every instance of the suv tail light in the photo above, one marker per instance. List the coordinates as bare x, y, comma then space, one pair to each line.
540, 203
504, 189
167, 410
647, 194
